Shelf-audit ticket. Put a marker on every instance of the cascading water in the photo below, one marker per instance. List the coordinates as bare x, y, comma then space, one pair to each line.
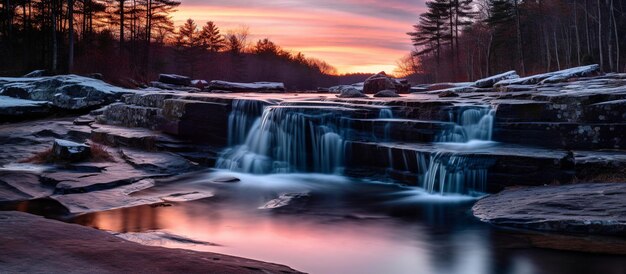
286, 138
460, 172
469, 124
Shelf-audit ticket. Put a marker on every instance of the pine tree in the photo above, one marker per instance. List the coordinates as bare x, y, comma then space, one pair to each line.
431, 32
188, 35
210, 38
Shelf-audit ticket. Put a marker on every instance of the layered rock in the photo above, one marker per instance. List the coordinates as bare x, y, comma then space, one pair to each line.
69, 92
578, 208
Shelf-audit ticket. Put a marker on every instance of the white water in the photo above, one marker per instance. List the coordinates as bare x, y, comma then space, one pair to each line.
285, 139
457, 170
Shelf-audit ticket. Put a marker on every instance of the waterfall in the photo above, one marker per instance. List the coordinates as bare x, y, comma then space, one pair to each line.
385, 113
241, 119
474, 123
452, 172
286, 138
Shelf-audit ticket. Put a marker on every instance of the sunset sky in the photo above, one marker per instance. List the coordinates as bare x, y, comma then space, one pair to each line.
352, 35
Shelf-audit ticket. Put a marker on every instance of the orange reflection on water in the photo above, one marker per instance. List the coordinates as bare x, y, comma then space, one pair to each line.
305, 244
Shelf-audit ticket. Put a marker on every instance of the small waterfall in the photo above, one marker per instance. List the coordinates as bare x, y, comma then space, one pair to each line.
451, 172
385, 113
241, 119
474, 123
288, 138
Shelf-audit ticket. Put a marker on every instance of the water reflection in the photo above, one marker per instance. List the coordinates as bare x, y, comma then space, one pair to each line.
346, 226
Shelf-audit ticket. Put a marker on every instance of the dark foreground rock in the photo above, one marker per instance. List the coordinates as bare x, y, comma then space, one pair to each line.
174, 79
69, 151
598, 209
34, 244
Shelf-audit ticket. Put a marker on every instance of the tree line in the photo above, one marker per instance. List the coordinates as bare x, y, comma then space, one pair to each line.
131, 41
463, 40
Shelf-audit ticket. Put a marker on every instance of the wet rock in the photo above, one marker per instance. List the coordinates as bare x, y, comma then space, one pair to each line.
163, 162
288, 201
80, 246
174, 79
490, 81
35, 73
68, 151
21, 185
579, 208
227, 179
386, 93
350, 92
262, 87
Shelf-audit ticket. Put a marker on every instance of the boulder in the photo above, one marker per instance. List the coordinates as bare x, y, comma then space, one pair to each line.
386, 93
262, 87
378, 82
174, 79
337, 89
490, 81
350, 92
578, 208
68, 151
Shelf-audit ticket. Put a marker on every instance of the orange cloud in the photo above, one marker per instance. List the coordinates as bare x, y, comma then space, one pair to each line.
352, 42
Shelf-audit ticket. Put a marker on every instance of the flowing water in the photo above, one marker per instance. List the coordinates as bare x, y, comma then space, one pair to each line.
293, 206
340, 225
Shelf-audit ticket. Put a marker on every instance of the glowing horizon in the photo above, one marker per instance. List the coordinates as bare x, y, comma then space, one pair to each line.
353, 36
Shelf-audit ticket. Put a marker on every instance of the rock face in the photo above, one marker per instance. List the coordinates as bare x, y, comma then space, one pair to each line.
68, 151
490, 81
174, 79
381, 81
262, 87
12, 109
386, 93
29, 242
579, 208
69, 92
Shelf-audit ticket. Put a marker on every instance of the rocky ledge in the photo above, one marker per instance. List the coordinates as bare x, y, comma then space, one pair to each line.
596, 209
28, 243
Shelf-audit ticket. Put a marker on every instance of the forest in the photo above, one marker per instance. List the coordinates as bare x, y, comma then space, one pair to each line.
464, 40
131, 41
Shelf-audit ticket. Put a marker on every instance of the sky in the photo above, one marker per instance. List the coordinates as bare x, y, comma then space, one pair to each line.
352, 35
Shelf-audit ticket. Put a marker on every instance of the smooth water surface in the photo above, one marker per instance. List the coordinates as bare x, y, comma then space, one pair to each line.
339, 225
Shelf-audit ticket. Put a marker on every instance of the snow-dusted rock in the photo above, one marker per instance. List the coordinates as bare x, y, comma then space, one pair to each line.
490, 81
264, 87
12, 108
350, 92
174, 79
63, 91
553, 77
68, 151
339, 88
35, 73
